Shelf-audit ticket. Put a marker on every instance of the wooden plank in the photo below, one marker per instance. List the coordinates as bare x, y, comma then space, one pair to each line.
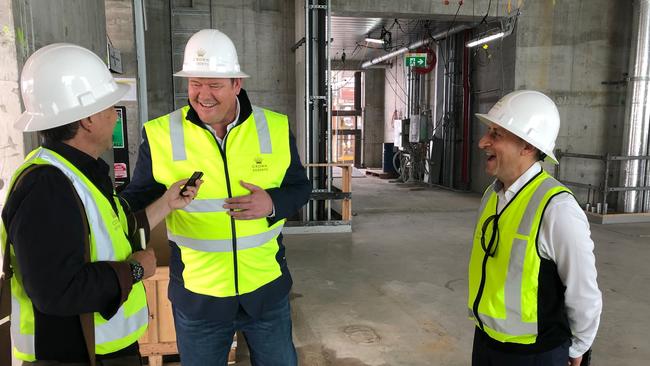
155, 361
162, 273
167, 332
346, 205
166, 348
160, 338
151, 335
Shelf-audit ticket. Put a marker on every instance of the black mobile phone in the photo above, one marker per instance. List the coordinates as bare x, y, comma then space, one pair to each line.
192, 181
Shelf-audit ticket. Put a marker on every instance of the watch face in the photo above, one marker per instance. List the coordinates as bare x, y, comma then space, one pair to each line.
137, 272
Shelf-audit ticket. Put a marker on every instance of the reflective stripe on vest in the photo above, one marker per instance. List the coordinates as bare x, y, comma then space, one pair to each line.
512, 324
92, 210
225, 245
210, 205
177, 135
23, 343
120, 324
110, 335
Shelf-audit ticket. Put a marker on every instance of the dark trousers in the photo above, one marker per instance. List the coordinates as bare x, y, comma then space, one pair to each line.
483, 355
204, 342
117, 361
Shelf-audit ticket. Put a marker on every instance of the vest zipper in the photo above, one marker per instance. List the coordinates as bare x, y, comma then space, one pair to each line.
479, 294
232, 219
494, 238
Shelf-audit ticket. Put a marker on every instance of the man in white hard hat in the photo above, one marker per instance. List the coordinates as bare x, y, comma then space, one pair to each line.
228, 270
533, 293
76, 291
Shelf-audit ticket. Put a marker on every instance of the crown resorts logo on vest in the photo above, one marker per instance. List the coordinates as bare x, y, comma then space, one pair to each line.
258, 165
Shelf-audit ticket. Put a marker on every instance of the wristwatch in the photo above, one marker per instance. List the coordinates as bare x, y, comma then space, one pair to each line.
137, 271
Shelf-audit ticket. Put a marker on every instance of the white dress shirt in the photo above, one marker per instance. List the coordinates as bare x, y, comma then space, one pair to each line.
565, 239
228, 127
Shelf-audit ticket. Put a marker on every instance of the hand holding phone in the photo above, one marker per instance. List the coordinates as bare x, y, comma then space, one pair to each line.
191, 182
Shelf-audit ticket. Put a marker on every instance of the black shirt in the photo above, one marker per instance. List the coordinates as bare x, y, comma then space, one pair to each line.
44, 225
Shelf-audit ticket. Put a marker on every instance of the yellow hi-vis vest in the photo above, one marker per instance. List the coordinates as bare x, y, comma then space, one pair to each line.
108, 242
503, 288
222, 257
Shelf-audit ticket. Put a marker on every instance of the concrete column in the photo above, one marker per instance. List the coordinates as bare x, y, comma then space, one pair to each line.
159, 58
299, 70
25, 26
373, 118
11, 140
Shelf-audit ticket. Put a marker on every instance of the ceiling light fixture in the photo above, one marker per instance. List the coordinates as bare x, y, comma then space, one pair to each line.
485, 39
505, 27
375, 40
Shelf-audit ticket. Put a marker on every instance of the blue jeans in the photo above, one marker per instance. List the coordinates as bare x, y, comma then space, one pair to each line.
207, 342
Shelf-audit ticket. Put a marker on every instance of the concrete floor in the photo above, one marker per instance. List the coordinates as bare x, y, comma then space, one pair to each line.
393, 292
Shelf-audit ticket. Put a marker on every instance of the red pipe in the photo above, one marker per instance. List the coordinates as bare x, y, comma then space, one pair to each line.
466, 109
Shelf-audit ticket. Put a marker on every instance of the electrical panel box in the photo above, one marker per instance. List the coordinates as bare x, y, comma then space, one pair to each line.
401, 131
419, 128
397, 133
426, 127
414, 130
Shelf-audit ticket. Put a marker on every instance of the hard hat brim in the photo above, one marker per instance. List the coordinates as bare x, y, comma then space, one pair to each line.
31, 122
211, 74
550, 156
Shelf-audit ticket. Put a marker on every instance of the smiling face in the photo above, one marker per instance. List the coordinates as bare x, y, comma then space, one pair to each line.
507, 156
214, 100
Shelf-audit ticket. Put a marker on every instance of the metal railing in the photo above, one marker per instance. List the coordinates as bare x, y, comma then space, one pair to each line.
593, 205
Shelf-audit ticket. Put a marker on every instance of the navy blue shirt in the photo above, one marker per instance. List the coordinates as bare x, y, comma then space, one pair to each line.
292, 194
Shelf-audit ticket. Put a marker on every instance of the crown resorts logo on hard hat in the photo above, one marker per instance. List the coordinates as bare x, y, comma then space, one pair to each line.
200, 59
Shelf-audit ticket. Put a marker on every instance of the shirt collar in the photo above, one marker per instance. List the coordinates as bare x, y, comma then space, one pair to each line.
94, 169
228, 127
519, 183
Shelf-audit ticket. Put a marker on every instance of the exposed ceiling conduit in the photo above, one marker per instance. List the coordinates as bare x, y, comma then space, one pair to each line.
415, 45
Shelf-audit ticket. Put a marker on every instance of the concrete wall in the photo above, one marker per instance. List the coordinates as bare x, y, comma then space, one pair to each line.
11, 140
493, 71
263, 33
120, 31
25, 26
373, 118
412, 8
565, 49
159, 58
394, 96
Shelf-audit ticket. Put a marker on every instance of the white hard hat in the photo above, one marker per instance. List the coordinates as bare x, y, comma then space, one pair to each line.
62, 83
530, 115
210, 54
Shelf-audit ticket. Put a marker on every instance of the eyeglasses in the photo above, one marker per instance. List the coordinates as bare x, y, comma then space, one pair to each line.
493, 242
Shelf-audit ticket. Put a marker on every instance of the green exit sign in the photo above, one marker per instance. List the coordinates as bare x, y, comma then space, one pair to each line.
416, 59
